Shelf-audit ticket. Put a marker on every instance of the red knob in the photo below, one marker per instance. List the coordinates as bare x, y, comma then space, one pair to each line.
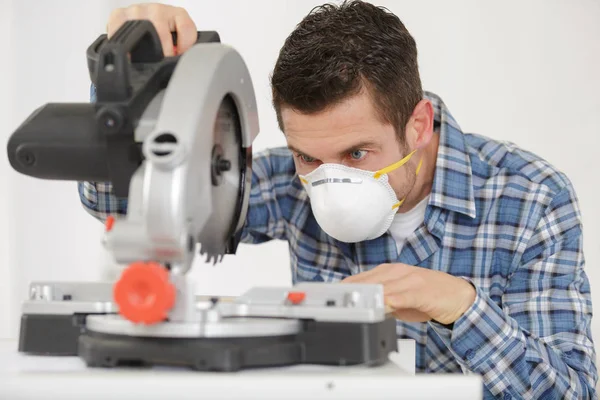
296, 297
144, 293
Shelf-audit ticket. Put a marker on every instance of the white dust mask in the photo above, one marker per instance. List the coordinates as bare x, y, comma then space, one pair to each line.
351, 204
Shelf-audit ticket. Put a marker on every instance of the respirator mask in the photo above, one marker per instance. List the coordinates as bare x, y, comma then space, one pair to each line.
351, 204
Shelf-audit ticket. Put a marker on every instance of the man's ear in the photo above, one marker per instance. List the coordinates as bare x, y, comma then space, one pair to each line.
419, 129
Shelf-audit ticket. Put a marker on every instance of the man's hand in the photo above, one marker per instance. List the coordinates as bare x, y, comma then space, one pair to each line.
418, 294
166, 19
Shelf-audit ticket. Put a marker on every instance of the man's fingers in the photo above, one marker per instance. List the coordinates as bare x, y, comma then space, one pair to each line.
380, 274
187, 33
162, 19
404, 286
407, 299
115, 20
404, 293
411, 315
166, 39
367, 276
166, 19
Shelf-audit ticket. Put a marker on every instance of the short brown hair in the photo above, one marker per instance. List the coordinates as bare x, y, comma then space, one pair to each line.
337, 50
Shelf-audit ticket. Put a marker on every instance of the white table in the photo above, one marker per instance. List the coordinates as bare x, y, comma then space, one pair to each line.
24, 377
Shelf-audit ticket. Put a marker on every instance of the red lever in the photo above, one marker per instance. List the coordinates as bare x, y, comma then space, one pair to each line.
110, 221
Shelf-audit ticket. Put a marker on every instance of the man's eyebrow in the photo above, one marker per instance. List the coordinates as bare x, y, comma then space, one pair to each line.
295, 150
357, 146
360, 146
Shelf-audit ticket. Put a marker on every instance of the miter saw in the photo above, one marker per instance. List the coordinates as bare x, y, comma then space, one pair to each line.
174, 137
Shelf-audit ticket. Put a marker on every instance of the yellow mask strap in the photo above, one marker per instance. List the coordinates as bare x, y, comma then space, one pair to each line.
419, 166
394, 166
398, 204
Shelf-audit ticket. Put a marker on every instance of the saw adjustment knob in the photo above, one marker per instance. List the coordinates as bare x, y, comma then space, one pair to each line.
144, 293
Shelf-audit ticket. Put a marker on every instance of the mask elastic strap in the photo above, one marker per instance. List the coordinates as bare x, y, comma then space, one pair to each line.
398, 204
394, 166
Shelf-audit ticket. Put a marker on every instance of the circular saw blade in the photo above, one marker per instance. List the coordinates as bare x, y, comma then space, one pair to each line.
226, 173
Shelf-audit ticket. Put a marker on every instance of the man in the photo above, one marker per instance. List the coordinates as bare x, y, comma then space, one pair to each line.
478, 243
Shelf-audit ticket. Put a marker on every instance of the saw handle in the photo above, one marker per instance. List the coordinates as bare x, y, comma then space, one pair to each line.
139, 39
203, 37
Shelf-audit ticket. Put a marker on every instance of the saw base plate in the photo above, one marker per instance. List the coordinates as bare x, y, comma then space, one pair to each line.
325, 343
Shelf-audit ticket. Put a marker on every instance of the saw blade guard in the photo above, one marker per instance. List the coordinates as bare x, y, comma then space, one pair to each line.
193, 185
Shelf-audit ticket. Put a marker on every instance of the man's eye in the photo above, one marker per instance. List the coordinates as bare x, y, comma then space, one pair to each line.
306, 158
358, 154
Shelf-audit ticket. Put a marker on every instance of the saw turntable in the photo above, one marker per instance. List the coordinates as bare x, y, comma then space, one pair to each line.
173, 135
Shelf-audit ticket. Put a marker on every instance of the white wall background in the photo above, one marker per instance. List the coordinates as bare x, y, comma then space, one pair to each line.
536, 64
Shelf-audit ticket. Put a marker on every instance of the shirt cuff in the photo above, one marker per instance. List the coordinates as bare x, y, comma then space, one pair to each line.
486, 332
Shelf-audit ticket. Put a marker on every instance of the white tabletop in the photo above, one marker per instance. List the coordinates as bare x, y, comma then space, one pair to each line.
24, 377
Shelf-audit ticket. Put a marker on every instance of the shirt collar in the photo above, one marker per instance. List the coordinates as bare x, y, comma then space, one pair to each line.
453, 180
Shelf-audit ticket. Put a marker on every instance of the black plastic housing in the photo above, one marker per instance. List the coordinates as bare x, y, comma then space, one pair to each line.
51, 334
95, 142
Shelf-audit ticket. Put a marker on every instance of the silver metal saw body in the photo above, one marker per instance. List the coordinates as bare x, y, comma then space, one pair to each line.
187, 190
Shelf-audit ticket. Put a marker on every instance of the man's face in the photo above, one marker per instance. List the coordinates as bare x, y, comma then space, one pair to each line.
352, 134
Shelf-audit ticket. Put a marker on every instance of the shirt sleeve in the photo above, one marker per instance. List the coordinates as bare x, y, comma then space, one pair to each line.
98, 198
270, 182
535, 340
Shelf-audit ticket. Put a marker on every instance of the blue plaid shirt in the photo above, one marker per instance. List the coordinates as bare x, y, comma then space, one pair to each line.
498, 216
